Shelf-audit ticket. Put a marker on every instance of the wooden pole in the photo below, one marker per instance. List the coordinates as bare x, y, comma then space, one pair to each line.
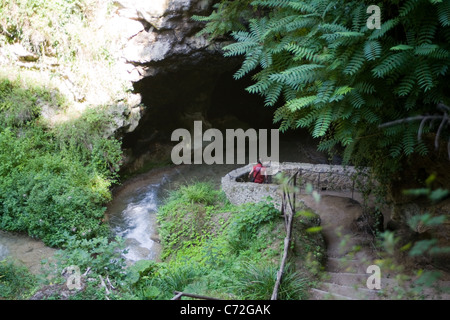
180, 294
287, 240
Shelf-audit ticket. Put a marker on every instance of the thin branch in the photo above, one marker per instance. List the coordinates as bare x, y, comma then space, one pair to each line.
179, 294
409, 119
87, 271
104, 286
448, 148
444, 118
419, 133
438, 134
443, 107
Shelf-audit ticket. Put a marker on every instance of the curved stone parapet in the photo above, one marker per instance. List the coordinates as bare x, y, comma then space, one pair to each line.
320, 176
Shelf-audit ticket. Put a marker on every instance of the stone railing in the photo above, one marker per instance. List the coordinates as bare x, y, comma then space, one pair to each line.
321, 177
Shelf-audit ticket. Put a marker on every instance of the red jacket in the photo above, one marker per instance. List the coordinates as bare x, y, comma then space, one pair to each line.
259, 177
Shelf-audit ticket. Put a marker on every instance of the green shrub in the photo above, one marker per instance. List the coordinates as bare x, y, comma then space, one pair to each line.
256, 282
54, 183
245, 223
200, 192
216, 249
101, 255
21, 103
185, 218
16, 282
177, 278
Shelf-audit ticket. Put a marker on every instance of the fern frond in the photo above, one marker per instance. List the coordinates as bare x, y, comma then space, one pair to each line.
402, 47
300, 103
302, 52
427, 31
325, 91
340, 92
408, 6
406, 85
302, 7
389, 64
326, 145
372, 50
355, 63
385, 27
359, 18
365, 87
343, 133
273, 93
424, 76
239, 48
409, 140
370, 116
250, 63
425, 49
356, 100
443, 11
306, 120
300, 22
323, 122
297, 75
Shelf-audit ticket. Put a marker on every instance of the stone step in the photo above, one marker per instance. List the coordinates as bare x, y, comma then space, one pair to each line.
345, 265
318, 294
390, 287
345, 278
354, 292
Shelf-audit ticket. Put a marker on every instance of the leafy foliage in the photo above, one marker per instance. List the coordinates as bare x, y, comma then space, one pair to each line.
222, 250
16, 282
244, 226
317, 62
54, 183
256, 282
102, 256
63, 36
99, 260
430, 247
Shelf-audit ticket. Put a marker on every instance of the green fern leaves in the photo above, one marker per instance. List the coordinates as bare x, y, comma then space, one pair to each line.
342, 80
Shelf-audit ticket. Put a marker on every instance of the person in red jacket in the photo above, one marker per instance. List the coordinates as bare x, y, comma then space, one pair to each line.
259, 173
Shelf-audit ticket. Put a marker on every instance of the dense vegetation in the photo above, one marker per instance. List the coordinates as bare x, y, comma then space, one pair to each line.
54, 181
320, 67
211, 248
234, 250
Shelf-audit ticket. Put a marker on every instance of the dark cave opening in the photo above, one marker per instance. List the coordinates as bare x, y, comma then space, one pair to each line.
176, 98
177, 95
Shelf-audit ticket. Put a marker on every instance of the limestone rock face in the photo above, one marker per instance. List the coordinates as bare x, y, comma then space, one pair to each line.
167, 31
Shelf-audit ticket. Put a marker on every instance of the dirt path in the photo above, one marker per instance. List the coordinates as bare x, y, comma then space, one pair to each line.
338, 215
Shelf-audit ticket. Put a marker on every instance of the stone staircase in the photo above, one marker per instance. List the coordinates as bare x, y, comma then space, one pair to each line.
345, 275
338, 284
341, 283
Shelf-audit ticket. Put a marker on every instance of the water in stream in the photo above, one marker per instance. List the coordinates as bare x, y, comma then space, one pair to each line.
132, 213
134, 219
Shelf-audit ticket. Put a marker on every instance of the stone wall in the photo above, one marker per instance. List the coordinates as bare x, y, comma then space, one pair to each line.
322, 178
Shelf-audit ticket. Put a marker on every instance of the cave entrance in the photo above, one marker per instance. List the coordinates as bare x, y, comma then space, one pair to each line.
180, 93
176, 97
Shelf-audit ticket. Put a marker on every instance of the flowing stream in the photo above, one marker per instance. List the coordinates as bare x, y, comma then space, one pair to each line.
132, 213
